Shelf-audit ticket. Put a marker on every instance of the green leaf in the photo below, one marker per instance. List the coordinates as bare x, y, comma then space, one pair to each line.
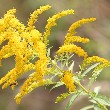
71, 66
48, 51
72, 100
65, 61
54, 75
89, 69
97, 89
70, 56
87, 107
63, 64
56, 85
93, 78
102, 99
96, 107
101, 102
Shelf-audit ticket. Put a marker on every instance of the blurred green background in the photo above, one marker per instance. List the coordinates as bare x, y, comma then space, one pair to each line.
98, 32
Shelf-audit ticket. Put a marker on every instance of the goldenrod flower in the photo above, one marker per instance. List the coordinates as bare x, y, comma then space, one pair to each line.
9, 33
26, 89
40, 49
35, 36
61, 97
10, 12
72, 39
41, 66
32, 86
30, 83
14, 74
34, 16
2, 26
26, 43
11, 21
52, 22
68, 80
15, 23
72, 49
7, 76
74, 26
4, 51
8, 16
93, 59
101, 66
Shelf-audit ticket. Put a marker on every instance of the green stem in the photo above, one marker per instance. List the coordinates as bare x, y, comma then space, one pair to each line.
102, 106
84, 89
81, 86
56, 66
78, 83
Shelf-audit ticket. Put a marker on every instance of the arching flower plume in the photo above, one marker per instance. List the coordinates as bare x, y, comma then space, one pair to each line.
26, 43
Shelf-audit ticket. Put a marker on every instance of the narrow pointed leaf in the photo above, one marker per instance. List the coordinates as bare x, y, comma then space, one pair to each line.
56, 85
89, 69
72, 100
71, 67
88, 107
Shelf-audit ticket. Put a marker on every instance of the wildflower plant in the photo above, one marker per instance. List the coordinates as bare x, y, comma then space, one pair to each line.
26, 44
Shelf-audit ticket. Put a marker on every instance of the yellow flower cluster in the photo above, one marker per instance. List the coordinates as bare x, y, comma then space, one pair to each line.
68, 80
32, 86
68, 46
101, 66
28, 87
14, 74
61, 97
34, 16
52, 22
94, 59
26, 43
77, 24
72, 49
72, 39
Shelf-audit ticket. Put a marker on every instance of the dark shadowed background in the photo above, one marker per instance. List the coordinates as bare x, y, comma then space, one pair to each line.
98, 32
